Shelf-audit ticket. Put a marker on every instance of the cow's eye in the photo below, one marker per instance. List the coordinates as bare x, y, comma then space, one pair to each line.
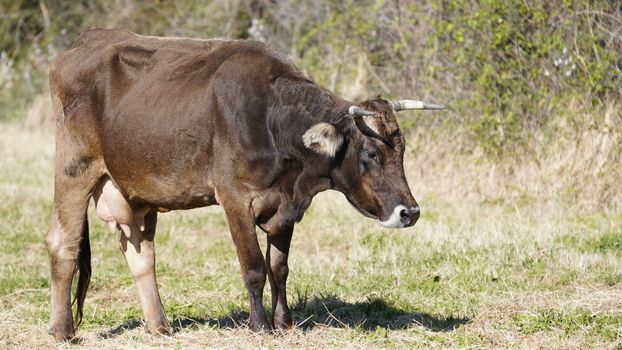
370, 154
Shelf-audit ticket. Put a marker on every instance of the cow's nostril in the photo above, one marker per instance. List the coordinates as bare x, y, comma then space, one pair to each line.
409, 216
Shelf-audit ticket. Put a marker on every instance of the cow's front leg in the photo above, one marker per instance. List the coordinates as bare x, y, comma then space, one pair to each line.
139, 253
242, 227
276, 261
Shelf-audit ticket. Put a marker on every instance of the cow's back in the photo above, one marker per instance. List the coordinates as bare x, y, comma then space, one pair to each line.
100, 57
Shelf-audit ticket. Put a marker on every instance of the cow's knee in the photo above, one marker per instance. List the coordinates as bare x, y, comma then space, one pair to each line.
255, 278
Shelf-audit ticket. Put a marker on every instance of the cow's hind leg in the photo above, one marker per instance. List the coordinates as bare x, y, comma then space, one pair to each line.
139, 253
67, 243
276, 261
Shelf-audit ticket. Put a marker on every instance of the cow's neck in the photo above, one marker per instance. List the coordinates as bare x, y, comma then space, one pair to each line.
293, 197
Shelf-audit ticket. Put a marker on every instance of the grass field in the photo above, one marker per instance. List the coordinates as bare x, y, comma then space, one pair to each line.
475, 272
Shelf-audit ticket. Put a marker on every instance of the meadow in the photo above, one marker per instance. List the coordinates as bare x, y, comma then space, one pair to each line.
477, 271
519, 244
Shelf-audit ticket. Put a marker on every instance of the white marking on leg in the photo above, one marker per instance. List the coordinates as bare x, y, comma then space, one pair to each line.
395, 220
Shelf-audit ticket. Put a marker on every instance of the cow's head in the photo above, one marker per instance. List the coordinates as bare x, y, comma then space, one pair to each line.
367, 152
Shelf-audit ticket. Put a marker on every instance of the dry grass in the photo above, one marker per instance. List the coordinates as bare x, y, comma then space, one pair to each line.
506, 255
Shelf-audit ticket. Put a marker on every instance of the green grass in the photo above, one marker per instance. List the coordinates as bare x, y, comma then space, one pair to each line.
607, 242
458, 279
606, 327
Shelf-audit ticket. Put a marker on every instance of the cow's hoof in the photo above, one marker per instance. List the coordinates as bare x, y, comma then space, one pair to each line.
62, 334
159, 328
282, 318
260, 324
283, 322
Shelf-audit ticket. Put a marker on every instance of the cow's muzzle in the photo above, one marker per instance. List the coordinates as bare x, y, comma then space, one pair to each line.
402, 217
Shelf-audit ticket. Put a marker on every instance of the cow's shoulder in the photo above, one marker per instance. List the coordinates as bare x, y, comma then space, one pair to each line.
76, 68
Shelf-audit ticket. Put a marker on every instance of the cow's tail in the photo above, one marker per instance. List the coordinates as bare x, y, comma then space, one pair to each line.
84, 273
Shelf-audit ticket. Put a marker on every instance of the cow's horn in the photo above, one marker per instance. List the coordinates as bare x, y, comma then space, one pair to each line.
360, 112
402, 105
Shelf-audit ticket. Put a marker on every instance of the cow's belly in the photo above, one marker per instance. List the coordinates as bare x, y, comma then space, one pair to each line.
168, 192
120, 213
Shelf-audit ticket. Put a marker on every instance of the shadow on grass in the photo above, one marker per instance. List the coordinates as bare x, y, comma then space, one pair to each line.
367, 315
330, 311
126, 326
235, 319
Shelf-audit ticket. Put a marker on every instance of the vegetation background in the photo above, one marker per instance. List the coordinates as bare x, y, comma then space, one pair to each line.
520, 182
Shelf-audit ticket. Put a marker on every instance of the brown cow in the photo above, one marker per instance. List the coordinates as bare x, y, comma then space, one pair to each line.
147, 124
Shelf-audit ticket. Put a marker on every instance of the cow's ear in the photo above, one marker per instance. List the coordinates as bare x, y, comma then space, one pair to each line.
323, 138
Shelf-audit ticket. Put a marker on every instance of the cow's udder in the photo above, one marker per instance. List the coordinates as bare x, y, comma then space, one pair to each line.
112, 207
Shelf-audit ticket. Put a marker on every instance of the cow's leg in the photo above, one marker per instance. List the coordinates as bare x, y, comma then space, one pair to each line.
139, 253
276, 261
242, 227
66, 236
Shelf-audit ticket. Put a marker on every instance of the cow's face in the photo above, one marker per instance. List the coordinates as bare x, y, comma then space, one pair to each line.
368, 166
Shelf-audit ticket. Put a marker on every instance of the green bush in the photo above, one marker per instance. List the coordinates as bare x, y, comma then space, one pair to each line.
526, 61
